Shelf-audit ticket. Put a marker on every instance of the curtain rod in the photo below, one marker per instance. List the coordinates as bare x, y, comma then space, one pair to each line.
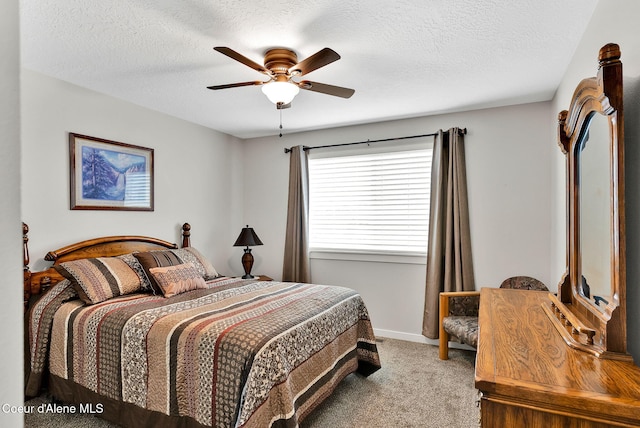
463, 131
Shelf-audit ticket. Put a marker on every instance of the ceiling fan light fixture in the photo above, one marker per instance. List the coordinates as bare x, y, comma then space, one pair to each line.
280, 92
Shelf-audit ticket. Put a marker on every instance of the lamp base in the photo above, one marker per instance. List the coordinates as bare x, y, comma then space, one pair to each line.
247, 263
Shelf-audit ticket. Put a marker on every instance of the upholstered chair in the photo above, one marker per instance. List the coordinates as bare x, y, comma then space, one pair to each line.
523, 283
459, 312
458, 318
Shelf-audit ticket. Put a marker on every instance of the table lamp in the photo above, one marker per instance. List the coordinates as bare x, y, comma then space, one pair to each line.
247, 238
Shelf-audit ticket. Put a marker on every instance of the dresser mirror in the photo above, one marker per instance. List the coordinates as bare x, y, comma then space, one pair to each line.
590, 309
593, 164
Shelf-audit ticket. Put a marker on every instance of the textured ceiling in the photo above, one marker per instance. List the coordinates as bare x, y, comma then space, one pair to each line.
403, 58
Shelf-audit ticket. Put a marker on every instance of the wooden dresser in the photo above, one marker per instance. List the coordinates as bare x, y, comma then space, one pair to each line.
529, 377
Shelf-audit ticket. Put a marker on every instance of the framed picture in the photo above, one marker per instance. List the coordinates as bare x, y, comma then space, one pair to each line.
108, 175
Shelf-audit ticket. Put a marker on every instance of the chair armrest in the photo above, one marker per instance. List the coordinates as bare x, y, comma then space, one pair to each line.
459, 293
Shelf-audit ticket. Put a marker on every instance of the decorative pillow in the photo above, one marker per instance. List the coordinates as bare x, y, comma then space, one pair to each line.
134, 264
177, 279
99, 279
191, 255
153, 259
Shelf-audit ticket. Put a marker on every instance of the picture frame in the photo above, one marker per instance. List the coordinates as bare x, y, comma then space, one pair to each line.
109, 175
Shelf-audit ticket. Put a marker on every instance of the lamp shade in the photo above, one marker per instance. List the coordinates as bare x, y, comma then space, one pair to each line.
247, 238
280, 92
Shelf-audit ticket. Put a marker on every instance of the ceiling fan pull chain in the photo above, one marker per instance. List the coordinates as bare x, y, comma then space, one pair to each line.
280, 123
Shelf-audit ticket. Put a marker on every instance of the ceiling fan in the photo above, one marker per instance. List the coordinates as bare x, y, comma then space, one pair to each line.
281, 66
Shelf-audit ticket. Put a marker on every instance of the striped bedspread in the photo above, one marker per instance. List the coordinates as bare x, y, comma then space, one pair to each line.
241, 353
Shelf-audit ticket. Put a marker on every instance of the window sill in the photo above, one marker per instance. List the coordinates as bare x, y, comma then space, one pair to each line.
358, 256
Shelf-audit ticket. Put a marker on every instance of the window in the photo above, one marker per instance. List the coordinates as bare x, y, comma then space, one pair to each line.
370, 203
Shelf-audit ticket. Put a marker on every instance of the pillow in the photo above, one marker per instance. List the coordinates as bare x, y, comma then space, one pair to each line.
134, 264
191, 255
99, 279
153, 259
177, 279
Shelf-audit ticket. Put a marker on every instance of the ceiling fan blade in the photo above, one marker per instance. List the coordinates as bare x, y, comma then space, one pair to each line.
323, 88
241, 58
236, 85
315, 61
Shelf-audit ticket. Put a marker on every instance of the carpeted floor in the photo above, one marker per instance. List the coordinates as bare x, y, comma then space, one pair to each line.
413, 389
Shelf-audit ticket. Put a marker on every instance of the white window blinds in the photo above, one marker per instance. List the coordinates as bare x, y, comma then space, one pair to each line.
376, 203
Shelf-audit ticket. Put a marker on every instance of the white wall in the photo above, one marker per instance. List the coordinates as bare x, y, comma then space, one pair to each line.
11, 389
508, 154
614, 21
198, 172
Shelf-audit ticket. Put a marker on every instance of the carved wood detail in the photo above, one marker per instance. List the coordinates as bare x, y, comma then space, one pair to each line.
600, 95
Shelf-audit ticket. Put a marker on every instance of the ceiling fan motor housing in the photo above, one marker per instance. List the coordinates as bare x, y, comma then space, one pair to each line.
279, 61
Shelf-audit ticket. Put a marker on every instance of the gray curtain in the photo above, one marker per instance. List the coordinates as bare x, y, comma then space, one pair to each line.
296, 246
449, 263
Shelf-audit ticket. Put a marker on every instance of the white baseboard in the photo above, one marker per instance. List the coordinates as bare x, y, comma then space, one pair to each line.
412, 337
409, 337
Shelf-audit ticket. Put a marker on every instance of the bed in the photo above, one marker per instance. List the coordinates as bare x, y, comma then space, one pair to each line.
143, 333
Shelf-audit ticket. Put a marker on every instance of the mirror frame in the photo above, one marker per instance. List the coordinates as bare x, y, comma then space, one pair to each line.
600, 332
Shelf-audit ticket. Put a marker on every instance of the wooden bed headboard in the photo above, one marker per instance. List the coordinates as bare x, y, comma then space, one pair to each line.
109, 246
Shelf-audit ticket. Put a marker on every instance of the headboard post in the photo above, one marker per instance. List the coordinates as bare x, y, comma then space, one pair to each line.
26, 270
186, 235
